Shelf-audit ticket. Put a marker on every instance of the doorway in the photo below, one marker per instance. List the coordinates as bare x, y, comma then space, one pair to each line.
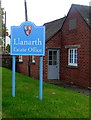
53, 63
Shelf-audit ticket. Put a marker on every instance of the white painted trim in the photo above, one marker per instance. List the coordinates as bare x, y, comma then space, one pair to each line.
33, 59
20, 58
72, 64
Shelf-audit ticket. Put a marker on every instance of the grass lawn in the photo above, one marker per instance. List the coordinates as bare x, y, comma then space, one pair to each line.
63, 104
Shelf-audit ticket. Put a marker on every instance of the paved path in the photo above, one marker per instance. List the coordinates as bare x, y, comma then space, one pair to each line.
71, 86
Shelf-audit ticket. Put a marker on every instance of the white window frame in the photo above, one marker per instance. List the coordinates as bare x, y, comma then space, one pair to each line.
20, 58
73, 58
33, 59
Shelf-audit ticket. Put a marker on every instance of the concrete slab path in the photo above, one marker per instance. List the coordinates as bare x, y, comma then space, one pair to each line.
71, 86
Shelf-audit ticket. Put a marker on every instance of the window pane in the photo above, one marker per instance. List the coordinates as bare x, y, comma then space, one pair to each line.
50, 62
76, 51
50, 53
75, 56
70, 60
54, 55
75, 61
50, 57
71, 56
54, 62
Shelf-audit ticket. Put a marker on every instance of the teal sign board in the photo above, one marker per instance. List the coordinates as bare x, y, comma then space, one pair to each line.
28, 39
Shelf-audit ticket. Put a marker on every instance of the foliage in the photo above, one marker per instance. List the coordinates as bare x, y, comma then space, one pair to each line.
8, 48
2, 14
57, 102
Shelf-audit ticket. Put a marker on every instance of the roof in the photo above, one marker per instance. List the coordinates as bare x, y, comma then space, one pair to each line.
84, 11
53, 27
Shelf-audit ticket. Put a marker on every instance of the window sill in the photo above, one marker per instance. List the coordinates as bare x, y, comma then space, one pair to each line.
32, 62
70, 66
20, 61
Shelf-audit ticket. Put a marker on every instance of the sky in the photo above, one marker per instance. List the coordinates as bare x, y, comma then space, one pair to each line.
39, 11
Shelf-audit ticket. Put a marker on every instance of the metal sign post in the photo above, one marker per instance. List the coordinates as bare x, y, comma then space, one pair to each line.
41, 78
13, 75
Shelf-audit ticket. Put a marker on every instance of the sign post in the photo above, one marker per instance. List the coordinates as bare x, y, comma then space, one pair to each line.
27, 39
41, 78
13, 75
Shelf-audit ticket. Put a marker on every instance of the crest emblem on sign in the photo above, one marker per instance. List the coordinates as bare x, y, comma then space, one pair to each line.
27, 29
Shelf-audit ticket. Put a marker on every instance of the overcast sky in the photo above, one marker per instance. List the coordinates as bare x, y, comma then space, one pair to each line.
39, 11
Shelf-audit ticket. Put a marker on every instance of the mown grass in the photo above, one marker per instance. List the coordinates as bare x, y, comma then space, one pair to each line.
63, 104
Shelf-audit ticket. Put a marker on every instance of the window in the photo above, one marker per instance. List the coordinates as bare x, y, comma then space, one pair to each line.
72, 56
20, 59
52, 57
33, 59
72, 24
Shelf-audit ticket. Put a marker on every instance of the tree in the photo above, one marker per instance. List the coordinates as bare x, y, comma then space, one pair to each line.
1, 25
8, 48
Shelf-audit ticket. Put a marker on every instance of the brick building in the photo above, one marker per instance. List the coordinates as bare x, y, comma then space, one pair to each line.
68, 49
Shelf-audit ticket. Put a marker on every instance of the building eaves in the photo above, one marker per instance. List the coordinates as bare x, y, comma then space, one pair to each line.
53, 27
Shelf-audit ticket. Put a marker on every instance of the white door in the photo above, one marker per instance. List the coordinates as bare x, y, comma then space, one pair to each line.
53, 63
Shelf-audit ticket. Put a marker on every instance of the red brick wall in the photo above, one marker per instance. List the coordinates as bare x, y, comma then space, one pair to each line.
79, 36
34, 67
23, 67
54, 42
